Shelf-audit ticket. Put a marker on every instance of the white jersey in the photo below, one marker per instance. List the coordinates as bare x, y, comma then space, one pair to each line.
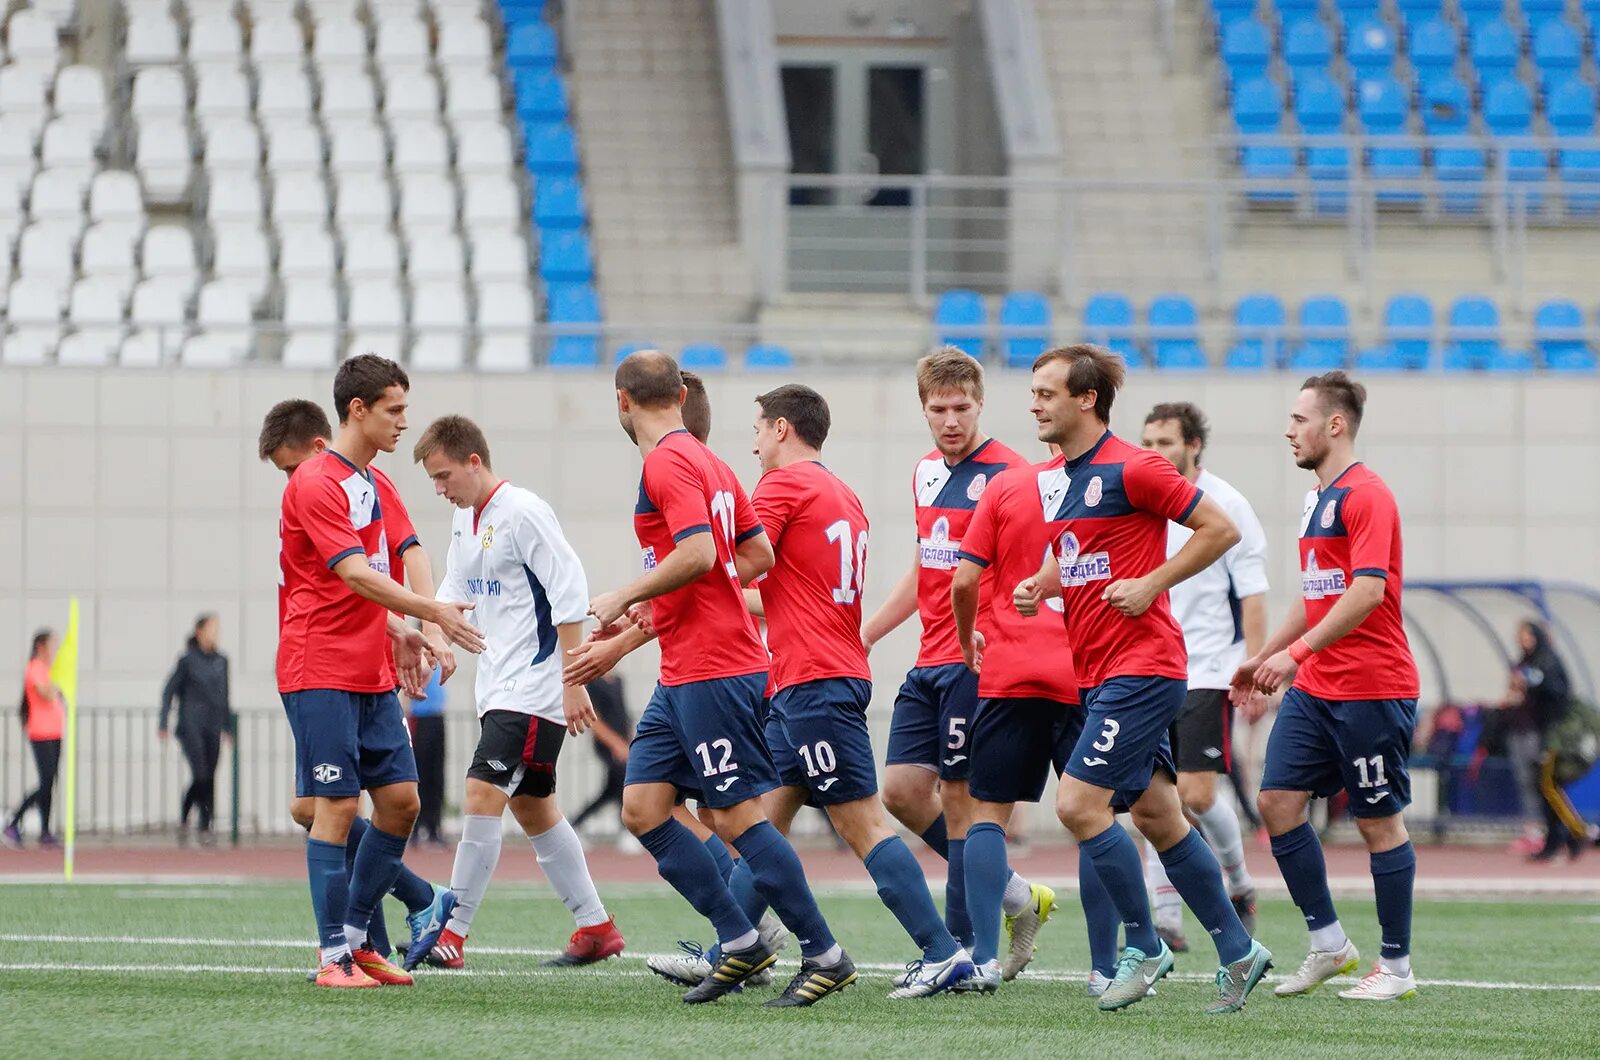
1207, 605
513, 564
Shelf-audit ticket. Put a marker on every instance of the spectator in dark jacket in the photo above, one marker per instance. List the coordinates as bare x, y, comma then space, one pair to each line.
1540, 698
199, 684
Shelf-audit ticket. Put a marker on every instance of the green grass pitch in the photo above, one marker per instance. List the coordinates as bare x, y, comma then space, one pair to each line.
217, 970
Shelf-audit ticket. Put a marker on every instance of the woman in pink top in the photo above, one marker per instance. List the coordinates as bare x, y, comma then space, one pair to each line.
42, 717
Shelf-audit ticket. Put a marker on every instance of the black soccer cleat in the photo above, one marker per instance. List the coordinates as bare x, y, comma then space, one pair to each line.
815, 982
730, 971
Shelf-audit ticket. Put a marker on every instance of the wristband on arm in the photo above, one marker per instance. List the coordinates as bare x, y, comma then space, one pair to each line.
1300, 651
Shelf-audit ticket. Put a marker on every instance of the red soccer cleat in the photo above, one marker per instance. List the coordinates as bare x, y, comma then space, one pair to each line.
449, 952
589, 945
379, 969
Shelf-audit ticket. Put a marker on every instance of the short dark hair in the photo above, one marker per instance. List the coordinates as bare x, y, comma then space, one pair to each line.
1089, 367
1191, 421
1337, 392
41, 637
650, 378
804, 408
696, 407
456, 437
295, 422
365, 377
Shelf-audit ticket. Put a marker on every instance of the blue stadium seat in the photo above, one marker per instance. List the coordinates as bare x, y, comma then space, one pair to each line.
1307, 47
1258, 109
1319, 110
1408, 330
532, 45
573, 303
1026, 317
564, 257
1325, 329
1356, 8
1473, 334
1447, 111
516, 12
1370, 48
1414, 11
1433, 48
764, 357
1293, 9
1383, 106
1258, 323
1570, 111
627, 349
1246, 50
550, 147
575, 351
1494, 51
1510, 362
1558, 335
558, 203
1508, 111
1108, 322
1557, 53
1380, 359
1481, 12
960, 318
541, 96
703, 357
1174, 329
1540, 13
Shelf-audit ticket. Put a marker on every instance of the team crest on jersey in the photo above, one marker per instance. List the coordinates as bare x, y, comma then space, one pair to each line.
976, 486
1319, 584
1092, 495
488, 536
1079, 567
1328, 513
1067, 549
379, 560
649, 558
938, 552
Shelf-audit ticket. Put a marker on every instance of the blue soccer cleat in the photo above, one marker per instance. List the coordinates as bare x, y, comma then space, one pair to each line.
426, 924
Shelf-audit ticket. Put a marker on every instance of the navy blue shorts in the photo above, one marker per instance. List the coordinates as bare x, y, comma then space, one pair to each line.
932, 715
1018, 745
704, 737
1359, 745
817, 734
347, 741
1124, 739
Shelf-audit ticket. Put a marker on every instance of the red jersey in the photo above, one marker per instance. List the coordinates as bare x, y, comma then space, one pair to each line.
398, 528
1023, 658
946, 497
705, 629
328, 637
1108, 512
812, 594
1350, 530
45, 717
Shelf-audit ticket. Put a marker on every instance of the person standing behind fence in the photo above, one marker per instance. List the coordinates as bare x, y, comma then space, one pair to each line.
199, 684
426, 715
42, 717
1539, 698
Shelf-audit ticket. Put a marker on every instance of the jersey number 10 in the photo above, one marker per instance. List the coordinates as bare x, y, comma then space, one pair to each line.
852, 565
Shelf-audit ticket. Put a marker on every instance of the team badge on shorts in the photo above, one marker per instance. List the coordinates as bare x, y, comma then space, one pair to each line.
327, 773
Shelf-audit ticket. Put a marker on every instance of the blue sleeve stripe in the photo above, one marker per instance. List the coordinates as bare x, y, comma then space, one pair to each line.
407, 543
748, 534
1199, 493
702, 528
334, 562
970, 558
1370, 572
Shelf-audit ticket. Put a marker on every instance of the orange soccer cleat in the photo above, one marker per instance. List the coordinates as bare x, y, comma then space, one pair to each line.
379, 970
344, 972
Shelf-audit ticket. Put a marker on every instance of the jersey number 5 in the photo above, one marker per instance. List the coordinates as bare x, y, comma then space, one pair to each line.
722, 516
852, 565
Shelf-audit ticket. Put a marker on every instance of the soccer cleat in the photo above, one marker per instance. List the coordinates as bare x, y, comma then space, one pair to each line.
1097, 985
772, 932
449, 952
426, 926
589, 945
1236, 980
814, 982
1173, 937
12, 837
1318, 968
344, 972
378, 968
926, 978
1244, 903
1023, 928
985, 979
1380, 984
684, 969
1137, 972
732, 969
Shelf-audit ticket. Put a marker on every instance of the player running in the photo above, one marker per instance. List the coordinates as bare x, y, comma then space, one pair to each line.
1108, 508
1347, 719
925, 782
510, 560
699, 733
336, 672
1028, 716
292, 432
1223, 614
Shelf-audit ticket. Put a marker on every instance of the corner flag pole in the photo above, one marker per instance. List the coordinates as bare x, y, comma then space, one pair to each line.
64, 672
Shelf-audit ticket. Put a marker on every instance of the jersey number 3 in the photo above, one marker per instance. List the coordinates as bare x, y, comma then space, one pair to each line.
852, 563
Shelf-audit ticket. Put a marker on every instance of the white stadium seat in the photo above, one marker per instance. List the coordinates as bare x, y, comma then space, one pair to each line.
357, 146
339, 42
408, 94
434, 254
167, 253
401, 43
22, 101
377, 319
241, 257
294, 148
337, 10
472, 94
311, 318
29, 344
299, 197
80, 94
283, 92
55, 198
464, 41
440, 318
45, 253
505, 326
235, 199
277, 39
483, 146
490, 200
232, 146
159, 303
221, 92
31, 40
19, 137
427, 200
61, 13
214, 38
362, 199
152, 40
222, 314
499, 255
347, 93
420, 146
306, 252
371, 253
165, 161
114, 196
159, 92
35, 300
90, 347
96, 301
108, 254
69, 145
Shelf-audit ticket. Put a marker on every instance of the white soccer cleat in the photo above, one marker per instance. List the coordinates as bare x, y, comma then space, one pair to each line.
924, 979
683, 969
1318, 967
1380, 984
772, 932
1097, 985
1023, 928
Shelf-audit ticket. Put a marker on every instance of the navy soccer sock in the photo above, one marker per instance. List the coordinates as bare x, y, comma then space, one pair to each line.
985, 871
956, 916
1116, 859
1194, 871
377, 928
373, 870
719, 851
1100, 917
780, 878
414, 892
329, 894
937, 838
1394, 876
1299, 857
904, 891
683, 861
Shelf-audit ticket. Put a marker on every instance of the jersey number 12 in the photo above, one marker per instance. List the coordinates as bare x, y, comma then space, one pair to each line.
852, 564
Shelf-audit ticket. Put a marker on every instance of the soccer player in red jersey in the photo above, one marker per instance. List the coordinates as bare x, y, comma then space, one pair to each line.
1028, 717
1347, 719
925, 783
1108, 506
699, 733
336, 670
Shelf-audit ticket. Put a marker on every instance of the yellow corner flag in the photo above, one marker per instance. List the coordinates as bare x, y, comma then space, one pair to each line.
64, 672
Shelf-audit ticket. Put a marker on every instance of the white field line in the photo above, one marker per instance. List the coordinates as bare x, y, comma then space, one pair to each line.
519, 951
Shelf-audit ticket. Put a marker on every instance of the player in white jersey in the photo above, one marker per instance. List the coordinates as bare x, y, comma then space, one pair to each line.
1223, 614
510, 560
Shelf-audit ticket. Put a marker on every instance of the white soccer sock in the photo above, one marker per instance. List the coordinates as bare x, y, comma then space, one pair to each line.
1220, 826
747, 939
1019, 892
1165, 901
476, 856
560, 854
1329, 939
355, 937
331, 954
1396, 965
830, 956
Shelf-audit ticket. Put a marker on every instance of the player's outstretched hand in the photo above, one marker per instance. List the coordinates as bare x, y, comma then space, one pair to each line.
972, 654
1026, 596
451, 618
578, 709
608, 607
641, 616
412, 663
1242, 685
592, 659
1277, 672
1131, 597
1255, 706
439, 648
